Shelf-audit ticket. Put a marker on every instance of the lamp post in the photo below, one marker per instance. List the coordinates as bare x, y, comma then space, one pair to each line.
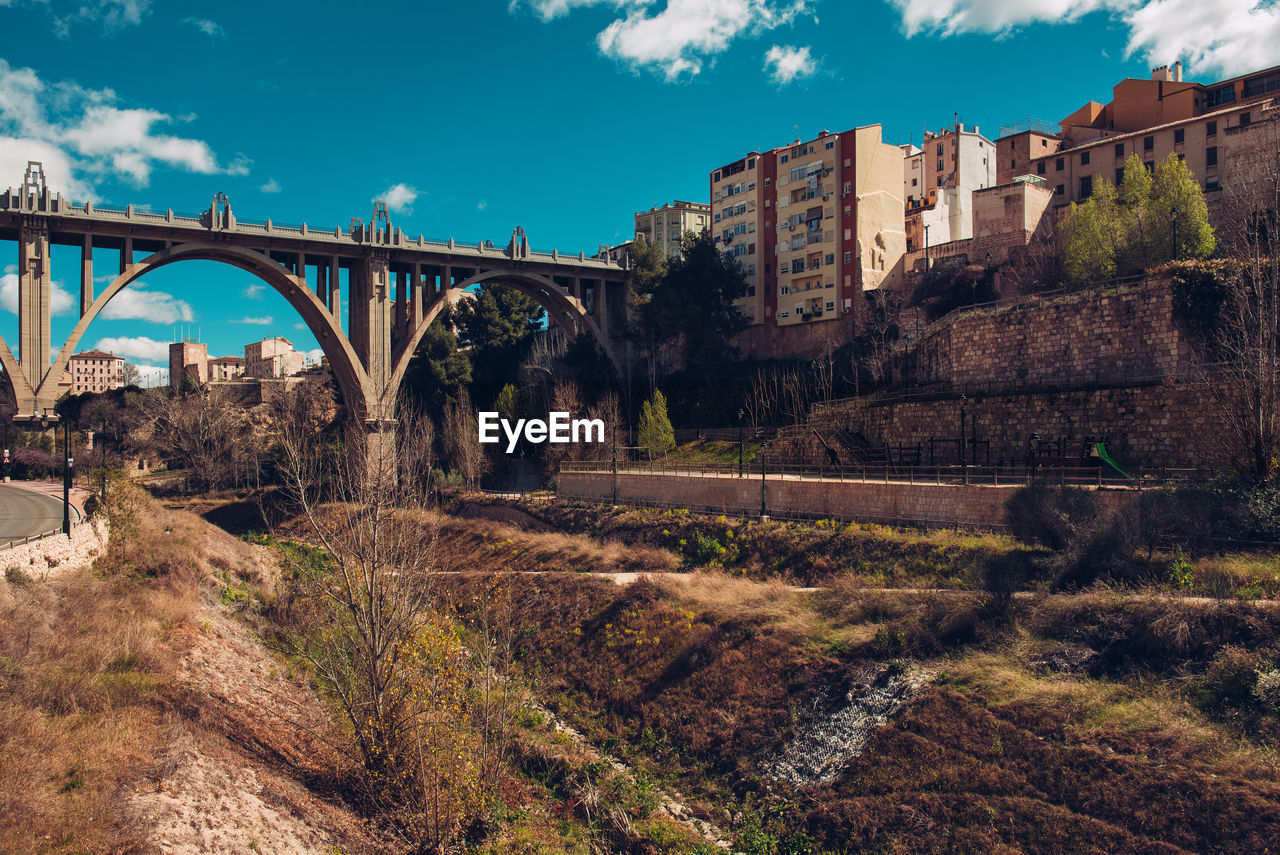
963, 402
5, 444
764, 507
1033, 448
1173, 214
615, 464
67, 462
917, 343
926, 249
740, 415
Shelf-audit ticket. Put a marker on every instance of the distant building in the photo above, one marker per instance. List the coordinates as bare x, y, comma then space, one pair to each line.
939, 181
226, 368
95, 371
665, 226
188, 364
272, 358
814, 225
1202, 124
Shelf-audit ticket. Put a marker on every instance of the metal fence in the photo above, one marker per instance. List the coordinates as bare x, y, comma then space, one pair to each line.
997, 476
9, 543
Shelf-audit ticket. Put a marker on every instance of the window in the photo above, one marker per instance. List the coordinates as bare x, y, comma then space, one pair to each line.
830, 259
1044, 143
797, 265
784, 314
1119, 149
914, 181
1245, 119
1148, 143
767, 182
1212, 184
1084, 158
1211, 129
1059, 163
848, 258
1211, 156
940, 164
751, 164
783, 159
1086, 187
784, 290
1119, 176
939, 149
1013, 164
1040, 168
1179, 136
1218, 97
831, 143
1059, 190
716, 177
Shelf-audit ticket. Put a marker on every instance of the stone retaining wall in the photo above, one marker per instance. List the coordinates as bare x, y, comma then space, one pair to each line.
979, 506
57, 552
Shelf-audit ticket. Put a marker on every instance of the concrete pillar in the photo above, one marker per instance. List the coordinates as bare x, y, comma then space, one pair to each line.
602, 309
370, 318
335, 291
86, 275
322, 284
402, 302
577, 288
416, 321
300, 268
126, 255
35, 286
446, 278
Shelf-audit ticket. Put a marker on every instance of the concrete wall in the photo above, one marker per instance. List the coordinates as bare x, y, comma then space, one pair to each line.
923, 504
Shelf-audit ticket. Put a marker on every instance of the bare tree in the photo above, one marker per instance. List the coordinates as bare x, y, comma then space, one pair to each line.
1248, 340
204, 432
462, 440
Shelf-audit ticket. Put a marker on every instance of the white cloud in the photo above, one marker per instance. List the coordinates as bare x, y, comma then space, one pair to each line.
312, 357
85, 134
212, 29
271, 186
137, 303
785, 63
60, 301
482, 204
399, 198
138, 347
112, 15
1223, 36
152, 375
253, 291
299, 326
681, 36
263, 321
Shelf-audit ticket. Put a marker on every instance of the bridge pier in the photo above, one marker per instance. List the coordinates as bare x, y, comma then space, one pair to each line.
35, 287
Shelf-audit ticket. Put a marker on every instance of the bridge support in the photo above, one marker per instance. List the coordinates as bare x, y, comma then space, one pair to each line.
35, 286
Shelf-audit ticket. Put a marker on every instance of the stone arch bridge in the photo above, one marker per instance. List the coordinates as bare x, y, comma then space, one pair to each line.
395, 286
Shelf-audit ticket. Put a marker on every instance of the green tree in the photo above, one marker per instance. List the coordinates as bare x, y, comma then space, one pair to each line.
691, 307
655, 431
497, 327
437, 365
506, 401
1128, 229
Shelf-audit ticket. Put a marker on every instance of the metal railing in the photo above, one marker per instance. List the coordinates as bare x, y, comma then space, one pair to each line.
10, 543
975, 475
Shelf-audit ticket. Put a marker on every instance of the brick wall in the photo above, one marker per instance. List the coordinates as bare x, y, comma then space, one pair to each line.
1063, 340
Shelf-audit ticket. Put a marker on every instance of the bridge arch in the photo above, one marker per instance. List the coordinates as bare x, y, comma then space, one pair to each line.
565, 310
350, 374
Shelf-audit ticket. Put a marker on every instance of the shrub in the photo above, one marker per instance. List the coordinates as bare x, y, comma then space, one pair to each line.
1051, 516
1232, 676
1267, 690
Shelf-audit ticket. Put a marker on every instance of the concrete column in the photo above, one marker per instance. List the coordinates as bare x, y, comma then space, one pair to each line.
301, 267
402, 302
86, 275
602, 309
446, 278
322, 284
416, 321
126, 255
371, 315
335, 291
577, 288
35, 285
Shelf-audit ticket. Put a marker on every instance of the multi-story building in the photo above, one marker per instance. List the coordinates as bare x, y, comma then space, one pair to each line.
188, 364
272, 358
1150, 118
666, 226
814, 224
939, 181
95, 371
225, 368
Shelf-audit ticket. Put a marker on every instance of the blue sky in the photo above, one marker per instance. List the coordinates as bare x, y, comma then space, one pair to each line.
563, 116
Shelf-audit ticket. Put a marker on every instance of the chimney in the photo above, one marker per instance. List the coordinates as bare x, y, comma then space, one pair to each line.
1177, 71
1161, 73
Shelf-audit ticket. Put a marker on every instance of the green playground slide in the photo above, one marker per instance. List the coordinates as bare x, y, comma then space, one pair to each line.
1100, 451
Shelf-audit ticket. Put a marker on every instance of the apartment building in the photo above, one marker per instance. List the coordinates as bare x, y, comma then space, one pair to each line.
272, 358
95, 371
1199, 123
666, 226
939, 180
813, 224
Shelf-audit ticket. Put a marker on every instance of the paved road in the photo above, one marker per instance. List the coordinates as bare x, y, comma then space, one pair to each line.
26, 512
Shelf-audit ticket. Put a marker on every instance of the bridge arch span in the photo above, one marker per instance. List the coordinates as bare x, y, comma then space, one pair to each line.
565, 310
347, 369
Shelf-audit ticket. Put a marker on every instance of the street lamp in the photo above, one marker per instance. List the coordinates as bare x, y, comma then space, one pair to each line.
963, 402
1174, 216
615, 463
5, 445
67, 461
764, 507
740, 415
917, 343
926, 249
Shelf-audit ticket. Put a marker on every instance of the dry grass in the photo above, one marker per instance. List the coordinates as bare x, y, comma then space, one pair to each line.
84, 661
